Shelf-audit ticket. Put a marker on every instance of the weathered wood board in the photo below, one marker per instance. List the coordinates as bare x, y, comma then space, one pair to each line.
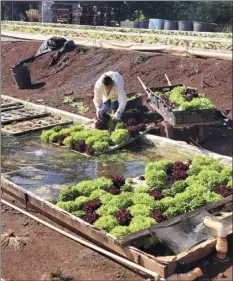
23, 114
34, 125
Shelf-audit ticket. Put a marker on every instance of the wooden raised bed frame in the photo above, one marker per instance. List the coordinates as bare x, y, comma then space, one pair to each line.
164, 266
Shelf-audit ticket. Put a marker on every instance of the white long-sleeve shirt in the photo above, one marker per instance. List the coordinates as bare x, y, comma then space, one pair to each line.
117, 92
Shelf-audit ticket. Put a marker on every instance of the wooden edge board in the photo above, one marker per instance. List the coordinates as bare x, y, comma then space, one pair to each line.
36, 129
81, 227
6, 122
111, 148
11, 108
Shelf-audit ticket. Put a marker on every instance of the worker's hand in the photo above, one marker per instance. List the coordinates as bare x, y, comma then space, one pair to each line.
116, 117
99, 114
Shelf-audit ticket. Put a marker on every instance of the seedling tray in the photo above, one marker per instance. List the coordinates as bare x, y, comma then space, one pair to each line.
34, 125
17, 115
13, 107
111, 149
176, 118
6, 103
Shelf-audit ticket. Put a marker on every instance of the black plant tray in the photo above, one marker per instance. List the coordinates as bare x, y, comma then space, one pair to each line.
179, 117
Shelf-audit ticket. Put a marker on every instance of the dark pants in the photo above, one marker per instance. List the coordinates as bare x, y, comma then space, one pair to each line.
108, 105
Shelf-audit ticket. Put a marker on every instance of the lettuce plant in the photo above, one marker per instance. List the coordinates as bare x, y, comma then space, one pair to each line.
106, 223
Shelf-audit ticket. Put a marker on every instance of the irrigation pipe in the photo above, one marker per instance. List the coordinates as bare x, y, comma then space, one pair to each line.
87, 244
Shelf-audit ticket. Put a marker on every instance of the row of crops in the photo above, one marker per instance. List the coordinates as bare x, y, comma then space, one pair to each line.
124, 37
123, 206
125, 30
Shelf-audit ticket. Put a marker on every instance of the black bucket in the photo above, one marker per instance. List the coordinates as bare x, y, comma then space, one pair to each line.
21, 74
170, 25
185, 25
204, 26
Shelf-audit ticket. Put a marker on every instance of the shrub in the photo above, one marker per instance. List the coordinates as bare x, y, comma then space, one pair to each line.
120, 231
106, 223
120, 136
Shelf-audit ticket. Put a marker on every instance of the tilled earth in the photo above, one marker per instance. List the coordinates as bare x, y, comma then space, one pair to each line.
76, 74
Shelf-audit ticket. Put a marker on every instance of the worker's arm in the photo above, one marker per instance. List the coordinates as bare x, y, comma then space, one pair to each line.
122, 98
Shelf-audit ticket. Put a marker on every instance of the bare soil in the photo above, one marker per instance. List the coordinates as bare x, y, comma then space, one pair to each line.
77, 73
47, 251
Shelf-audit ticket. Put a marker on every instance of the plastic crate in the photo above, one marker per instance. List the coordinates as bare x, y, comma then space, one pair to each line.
180, 117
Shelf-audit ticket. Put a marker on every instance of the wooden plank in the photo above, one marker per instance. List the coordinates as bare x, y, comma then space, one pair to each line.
21, 115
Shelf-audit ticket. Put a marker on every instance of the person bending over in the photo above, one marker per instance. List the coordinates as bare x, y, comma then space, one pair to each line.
109, 94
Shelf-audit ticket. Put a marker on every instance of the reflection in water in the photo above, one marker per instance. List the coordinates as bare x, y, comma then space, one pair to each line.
39, 167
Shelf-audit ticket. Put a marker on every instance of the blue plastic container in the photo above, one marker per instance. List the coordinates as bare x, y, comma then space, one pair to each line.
156, 24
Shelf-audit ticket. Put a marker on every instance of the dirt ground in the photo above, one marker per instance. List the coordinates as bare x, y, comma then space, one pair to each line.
77, 73
47, 251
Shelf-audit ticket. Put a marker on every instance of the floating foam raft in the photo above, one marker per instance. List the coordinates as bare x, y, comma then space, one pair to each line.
111, 149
